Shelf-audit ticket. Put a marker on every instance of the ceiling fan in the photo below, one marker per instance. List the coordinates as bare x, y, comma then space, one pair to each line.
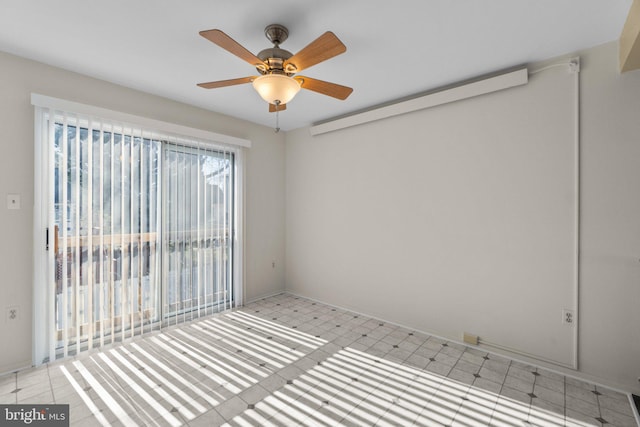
277, 67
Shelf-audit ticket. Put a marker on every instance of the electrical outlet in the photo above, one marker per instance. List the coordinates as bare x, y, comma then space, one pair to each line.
13, 201
470, 338
12, 313
568, 318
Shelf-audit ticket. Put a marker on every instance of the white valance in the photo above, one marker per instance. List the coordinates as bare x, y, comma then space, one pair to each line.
137, 121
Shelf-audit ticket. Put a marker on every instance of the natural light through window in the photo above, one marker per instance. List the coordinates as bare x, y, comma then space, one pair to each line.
141, 231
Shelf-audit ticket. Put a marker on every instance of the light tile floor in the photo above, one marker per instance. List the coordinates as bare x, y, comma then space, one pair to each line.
288, 361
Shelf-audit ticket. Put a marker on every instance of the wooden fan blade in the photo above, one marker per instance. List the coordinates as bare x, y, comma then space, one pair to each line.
273, 109
325, 88
324, 47
223, 83
229, 44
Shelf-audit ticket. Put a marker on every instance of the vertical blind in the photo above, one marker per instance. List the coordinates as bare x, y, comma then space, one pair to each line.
140, 230
198, 228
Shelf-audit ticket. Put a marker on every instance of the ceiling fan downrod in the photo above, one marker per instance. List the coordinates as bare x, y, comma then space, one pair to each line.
277, 104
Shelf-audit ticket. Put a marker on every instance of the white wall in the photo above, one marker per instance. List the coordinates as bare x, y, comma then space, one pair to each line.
460, 218
264, 196
610, 249
469, 203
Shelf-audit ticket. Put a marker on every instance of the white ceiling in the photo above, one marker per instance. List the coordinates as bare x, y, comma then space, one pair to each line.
394, 49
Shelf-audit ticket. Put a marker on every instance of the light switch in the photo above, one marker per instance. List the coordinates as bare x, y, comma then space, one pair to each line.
13, 201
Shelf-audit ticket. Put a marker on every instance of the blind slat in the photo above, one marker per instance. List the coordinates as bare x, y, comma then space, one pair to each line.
63, 316
89, 215
101, 266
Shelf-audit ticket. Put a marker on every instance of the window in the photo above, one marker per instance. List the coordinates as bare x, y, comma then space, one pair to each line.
141, 230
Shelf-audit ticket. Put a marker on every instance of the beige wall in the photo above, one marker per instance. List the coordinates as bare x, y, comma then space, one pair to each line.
264, 197
461, 218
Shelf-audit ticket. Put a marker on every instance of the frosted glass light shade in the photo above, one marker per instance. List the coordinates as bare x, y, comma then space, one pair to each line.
276, 87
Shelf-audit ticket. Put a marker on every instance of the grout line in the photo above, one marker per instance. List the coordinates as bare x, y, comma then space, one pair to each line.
53, 396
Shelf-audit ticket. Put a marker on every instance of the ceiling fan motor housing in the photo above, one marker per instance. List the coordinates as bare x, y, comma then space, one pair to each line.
274, 57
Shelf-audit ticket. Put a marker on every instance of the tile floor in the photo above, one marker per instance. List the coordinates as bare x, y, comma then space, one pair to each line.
288, 361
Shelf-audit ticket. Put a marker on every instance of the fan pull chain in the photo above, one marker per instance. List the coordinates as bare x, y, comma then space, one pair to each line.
277, 103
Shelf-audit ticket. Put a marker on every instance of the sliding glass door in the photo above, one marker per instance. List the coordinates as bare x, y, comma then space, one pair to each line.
197, 231
140, 232
106, 234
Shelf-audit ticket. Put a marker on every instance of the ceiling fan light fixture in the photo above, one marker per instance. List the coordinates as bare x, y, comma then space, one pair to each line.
276, 88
